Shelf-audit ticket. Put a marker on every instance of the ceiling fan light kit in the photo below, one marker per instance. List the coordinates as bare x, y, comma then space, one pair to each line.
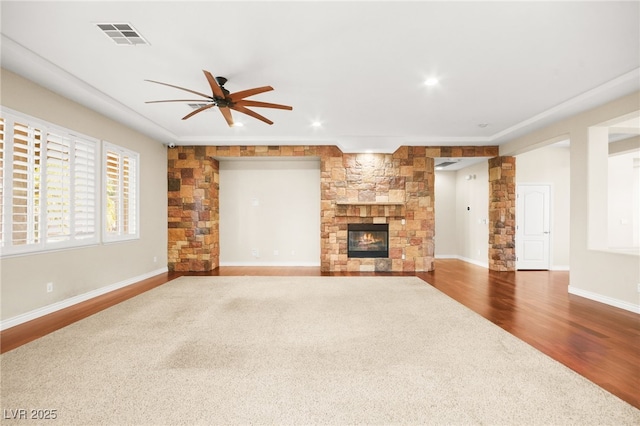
224, 100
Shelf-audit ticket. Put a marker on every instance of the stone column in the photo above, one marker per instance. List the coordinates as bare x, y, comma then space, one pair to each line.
502, 213
192, 210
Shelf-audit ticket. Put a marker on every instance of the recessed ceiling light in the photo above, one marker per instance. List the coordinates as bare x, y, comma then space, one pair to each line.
431, 81
316, 124
238, 124
483, 125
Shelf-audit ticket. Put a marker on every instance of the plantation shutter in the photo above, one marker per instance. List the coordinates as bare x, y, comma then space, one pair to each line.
129, 195
85, 201
121, 182
113, 192
26, 178
48, 186
58, 189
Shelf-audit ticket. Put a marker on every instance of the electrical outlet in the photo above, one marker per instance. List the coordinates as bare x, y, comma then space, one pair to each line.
155, 259
255, 252
276, 252
49, 287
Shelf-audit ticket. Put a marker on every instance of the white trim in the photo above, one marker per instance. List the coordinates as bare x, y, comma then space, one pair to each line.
303, 264
40, 312
605, 299
464, 259
474, 262
560, 268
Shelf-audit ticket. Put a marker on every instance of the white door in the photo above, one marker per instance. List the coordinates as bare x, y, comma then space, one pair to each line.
532, 226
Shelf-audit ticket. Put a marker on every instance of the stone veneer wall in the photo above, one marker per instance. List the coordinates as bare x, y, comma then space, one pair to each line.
355, 188
193, 179
375, 188
502, 213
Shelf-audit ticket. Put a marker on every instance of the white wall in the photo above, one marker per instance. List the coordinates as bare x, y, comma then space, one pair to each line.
472, 213
80, 271
446, 238
462, 210
601, 275
550, 165
623, 203
272, 206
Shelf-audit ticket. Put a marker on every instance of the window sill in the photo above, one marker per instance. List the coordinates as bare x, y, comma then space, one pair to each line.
633, 251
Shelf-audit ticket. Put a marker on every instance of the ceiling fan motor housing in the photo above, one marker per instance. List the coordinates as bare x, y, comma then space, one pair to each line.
221, 81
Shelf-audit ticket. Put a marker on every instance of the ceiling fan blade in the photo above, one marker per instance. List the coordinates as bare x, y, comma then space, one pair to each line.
174, 100
181, 88
192, 113
215, 87
253, 114
226, 113
250, 103
249, 92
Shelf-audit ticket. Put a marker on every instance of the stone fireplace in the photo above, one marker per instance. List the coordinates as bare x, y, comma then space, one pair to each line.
393, 189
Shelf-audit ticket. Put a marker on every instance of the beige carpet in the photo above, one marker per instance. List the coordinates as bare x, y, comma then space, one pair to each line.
297, 350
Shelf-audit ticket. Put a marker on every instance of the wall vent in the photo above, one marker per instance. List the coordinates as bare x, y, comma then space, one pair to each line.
446, 163
122, 34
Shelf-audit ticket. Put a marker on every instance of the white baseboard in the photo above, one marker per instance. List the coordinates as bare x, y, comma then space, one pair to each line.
45, 310
464, 259
475, 262
560, 268
284, 264
605, 299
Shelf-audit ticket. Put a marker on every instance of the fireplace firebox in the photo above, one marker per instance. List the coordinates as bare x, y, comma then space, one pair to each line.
368, 240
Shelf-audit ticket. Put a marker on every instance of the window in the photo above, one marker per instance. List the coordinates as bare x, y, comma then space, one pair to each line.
48, 186
121, 193
613, 184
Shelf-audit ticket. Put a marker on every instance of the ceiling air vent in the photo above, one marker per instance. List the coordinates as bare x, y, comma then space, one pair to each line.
446, 163
123, 34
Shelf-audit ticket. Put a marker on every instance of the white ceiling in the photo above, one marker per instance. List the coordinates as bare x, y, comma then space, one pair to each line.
357, 67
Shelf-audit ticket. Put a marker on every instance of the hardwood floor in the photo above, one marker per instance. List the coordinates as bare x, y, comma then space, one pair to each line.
600, 342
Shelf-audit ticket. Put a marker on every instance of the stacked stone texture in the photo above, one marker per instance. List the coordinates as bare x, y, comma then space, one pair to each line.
192, 210
397, 189
502, 213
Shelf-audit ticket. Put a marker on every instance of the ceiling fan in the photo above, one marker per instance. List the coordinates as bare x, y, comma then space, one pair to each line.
224, 100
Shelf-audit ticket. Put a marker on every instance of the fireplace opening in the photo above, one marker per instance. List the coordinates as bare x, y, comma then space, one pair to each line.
368, 240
